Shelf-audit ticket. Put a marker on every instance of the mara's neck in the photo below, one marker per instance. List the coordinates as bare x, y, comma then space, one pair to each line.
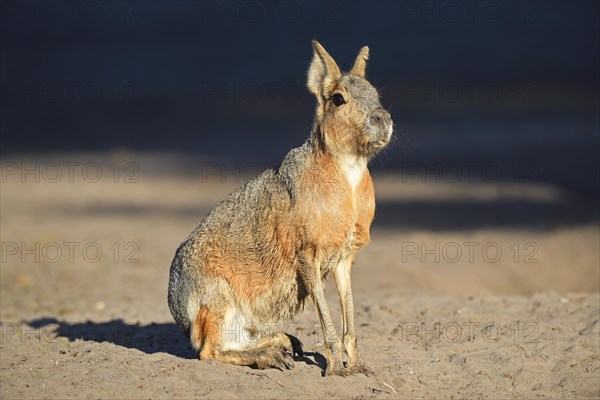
352, 166
328, 151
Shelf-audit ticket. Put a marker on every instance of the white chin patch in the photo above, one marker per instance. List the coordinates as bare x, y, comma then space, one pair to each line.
389, 132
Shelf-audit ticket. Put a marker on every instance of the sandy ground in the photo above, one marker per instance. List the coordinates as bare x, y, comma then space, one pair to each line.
468, 290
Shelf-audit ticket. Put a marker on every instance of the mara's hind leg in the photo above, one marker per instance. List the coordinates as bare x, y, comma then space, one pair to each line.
208, 336
269, 357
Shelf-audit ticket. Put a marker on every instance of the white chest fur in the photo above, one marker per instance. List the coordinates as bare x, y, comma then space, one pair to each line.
353, 168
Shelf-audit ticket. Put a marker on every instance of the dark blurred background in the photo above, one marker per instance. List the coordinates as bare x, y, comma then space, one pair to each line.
492, 90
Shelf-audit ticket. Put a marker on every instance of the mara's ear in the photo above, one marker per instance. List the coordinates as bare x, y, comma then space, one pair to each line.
322, 73
360, 65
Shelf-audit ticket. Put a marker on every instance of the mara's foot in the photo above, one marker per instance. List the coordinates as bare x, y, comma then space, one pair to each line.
336, 369
273, 358
360, 369
283, 341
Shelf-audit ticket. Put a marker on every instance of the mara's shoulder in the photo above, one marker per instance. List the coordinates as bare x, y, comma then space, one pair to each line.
295, 159
294, 163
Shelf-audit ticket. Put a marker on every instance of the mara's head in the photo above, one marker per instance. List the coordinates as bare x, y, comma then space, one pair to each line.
349, 117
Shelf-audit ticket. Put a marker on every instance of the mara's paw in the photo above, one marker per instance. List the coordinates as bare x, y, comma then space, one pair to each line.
336, 369
360, 369
287, 342
274, 358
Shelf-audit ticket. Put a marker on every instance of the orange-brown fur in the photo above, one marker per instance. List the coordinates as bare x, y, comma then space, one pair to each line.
366, 210
205, 332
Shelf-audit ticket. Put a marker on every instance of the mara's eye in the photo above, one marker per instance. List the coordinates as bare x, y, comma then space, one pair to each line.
338, 99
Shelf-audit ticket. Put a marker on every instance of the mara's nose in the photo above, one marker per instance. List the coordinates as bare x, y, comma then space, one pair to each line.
381, 118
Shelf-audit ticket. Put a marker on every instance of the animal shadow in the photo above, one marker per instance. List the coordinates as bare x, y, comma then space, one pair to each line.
150, 339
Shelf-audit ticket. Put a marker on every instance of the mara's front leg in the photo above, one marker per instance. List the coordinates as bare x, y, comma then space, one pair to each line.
342, 274
332, 344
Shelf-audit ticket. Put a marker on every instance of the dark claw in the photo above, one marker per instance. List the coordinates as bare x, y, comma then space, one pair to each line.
296, 345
